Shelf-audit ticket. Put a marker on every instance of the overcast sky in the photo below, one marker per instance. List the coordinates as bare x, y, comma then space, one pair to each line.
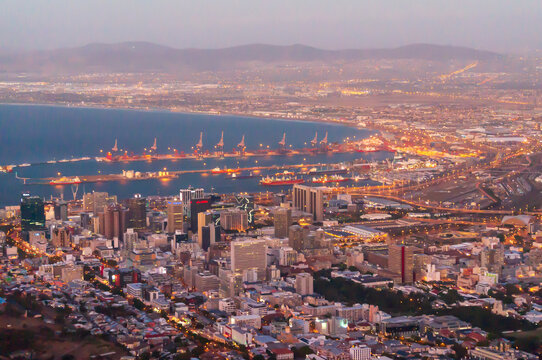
501, 25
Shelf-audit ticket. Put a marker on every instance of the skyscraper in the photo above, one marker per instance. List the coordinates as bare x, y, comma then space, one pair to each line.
309, 199
204, 218
401, 261
96, 201
247, 254
61, 210
174, 216
114, 222
137, 207
282, 218
32, 213
197, 206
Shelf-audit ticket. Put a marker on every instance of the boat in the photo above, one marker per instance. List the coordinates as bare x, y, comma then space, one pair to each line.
24, 165
51, 162
65, 181
64, 160
285, 173
329, 179
285, 180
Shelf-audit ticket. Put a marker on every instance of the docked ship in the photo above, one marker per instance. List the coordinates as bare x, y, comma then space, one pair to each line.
278, 181
329, 179
65, 181
234, 176
6, 168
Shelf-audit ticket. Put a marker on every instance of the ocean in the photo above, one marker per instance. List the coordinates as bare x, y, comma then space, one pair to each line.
35, 134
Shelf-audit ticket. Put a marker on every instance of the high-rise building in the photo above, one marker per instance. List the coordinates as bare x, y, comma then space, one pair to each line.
96, 201
247, 254
309, 199
401, 261
114, 221
85, 220
61, 237
174, 216
186, 195
282, 219
304, 283
246, 203
234, 219
197, 206
130, 239
32, 213
61, 210
204, 218
297, 236
204, 237
137, 212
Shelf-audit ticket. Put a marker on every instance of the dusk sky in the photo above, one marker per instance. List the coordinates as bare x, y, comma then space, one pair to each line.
500, 25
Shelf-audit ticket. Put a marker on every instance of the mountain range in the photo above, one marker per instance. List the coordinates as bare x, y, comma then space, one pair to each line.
150, 57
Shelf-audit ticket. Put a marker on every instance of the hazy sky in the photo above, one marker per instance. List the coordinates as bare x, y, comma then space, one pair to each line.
502, 25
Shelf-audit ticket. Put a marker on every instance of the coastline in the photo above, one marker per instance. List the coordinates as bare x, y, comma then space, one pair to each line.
169, 111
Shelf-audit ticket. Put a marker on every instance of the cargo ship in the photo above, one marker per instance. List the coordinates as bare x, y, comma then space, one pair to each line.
273, 181
66, 181
329, 179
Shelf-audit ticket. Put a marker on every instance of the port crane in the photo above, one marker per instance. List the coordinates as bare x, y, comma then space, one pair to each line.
199, 145
241, 146
115, 147
282, 143
220, 146
315, 140
153, 147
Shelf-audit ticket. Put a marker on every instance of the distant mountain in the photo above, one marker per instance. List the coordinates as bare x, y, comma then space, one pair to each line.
149, 57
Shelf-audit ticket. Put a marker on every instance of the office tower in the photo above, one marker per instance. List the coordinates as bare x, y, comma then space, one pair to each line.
234, 219
197, 206
85, 220
32, 213
186, 195
309, 199
297, 237
249, 254
114, 221
61, 210
204, 218
282, 219
130, 239
216, 232
304, 283
205, 237
137, 210
246, 203
60, 237
174, 216
401, 261
96, 201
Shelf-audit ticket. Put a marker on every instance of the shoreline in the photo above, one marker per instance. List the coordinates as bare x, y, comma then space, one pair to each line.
203, 113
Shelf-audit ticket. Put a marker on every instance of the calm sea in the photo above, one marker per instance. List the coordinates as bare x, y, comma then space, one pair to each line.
36, 134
